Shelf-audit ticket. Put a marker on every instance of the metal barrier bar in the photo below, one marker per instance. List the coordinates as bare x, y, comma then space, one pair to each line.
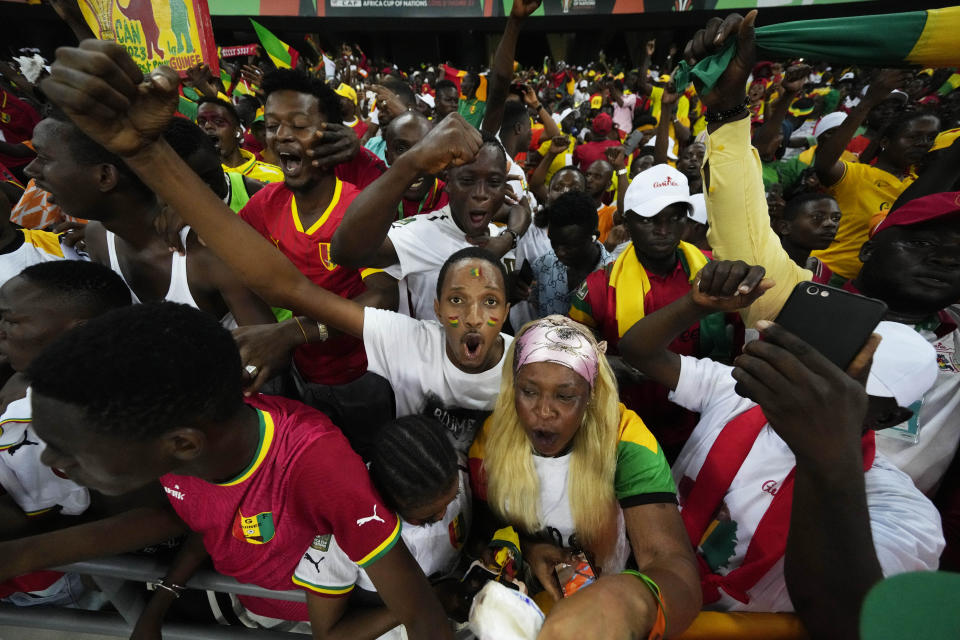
111, 624
144, 569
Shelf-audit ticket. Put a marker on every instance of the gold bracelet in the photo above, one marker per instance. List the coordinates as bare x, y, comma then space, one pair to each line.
306, 340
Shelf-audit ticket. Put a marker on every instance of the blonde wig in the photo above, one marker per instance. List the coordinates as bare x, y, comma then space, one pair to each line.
513, 487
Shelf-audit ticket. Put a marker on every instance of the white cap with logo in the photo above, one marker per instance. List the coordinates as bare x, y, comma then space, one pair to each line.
904, 366
655, 189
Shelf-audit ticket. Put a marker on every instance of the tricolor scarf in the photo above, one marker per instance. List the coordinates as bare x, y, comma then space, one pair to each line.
926, 38
627, 273
769, 541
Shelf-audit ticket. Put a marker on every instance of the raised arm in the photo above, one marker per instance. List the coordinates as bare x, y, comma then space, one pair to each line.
361, 239
720, 286
538, 181
668, 106
550, 128
829, 167
617, 156
501, 73
733, 179
103, 92
773, 118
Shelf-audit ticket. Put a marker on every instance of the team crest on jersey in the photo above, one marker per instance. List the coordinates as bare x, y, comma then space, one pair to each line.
256, 529
582, 290
456, 531
325, 256
321, 543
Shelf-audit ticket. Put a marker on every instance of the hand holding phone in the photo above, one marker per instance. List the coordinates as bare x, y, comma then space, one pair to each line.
576, 575
835, 322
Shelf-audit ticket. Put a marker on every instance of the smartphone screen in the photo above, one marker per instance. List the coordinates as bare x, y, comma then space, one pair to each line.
835, 322
573, 577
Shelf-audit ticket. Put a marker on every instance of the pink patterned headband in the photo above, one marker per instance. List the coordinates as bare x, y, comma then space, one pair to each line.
562, 341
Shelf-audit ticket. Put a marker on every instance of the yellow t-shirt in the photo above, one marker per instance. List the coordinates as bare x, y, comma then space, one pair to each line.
656, 94
262, 171
560, 161
861, 192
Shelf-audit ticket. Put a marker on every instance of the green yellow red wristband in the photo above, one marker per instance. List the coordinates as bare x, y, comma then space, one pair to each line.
660, 624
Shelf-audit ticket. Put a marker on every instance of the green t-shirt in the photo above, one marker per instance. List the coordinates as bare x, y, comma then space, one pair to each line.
472, 111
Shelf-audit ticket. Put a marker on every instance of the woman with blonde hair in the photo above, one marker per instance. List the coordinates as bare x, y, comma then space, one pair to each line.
572, 469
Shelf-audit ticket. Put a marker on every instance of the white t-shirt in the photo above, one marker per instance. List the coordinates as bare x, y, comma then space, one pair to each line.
937, 417
557, 517
906, 527
531, 246
436, 548
423, 243
33, 247
411, 355
32, 484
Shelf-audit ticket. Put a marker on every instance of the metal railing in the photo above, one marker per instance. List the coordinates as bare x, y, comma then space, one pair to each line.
121, 578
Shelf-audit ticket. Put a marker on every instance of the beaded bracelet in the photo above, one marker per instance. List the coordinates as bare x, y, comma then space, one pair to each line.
170, 587
660, 625
714, 117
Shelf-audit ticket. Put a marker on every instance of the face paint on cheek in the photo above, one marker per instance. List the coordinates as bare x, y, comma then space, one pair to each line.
492, 322
454, 321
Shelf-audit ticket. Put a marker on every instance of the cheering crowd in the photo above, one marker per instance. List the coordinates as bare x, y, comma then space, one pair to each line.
371, 333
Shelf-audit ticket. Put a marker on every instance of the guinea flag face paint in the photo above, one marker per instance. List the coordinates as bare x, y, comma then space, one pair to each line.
472, 306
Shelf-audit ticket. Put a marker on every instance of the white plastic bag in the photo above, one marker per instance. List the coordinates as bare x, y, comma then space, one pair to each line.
501, 613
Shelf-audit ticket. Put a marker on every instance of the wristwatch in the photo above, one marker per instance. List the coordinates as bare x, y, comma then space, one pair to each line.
623, 172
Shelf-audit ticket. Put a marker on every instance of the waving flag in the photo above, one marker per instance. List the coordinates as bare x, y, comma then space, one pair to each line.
282, 54
925, 38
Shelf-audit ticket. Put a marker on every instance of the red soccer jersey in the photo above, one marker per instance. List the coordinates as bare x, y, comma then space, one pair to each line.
17, 120
273, 213
436, 198
304, 481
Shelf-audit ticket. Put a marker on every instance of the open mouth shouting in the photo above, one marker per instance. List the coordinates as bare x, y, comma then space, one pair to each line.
545, 442
471, 344
291, 162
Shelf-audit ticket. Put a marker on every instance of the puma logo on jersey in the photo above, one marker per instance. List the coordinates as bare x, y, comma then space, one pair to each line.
175, 492
315, 563
12, 449
363, 521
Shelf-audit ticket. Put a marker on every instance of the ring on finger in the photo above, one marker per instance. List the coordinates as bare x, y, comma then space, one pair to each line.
252, 369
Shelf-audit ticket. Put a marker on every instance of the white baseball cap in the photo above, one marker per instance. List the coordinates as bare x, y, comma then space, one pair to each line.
904, 366
829, 121
427, 98
558, 117
847, 76
655, 189
699, 211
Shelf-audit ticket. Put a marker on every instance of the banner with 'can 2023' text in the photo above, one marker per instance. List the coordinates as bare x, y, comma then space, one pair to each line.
176, 33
